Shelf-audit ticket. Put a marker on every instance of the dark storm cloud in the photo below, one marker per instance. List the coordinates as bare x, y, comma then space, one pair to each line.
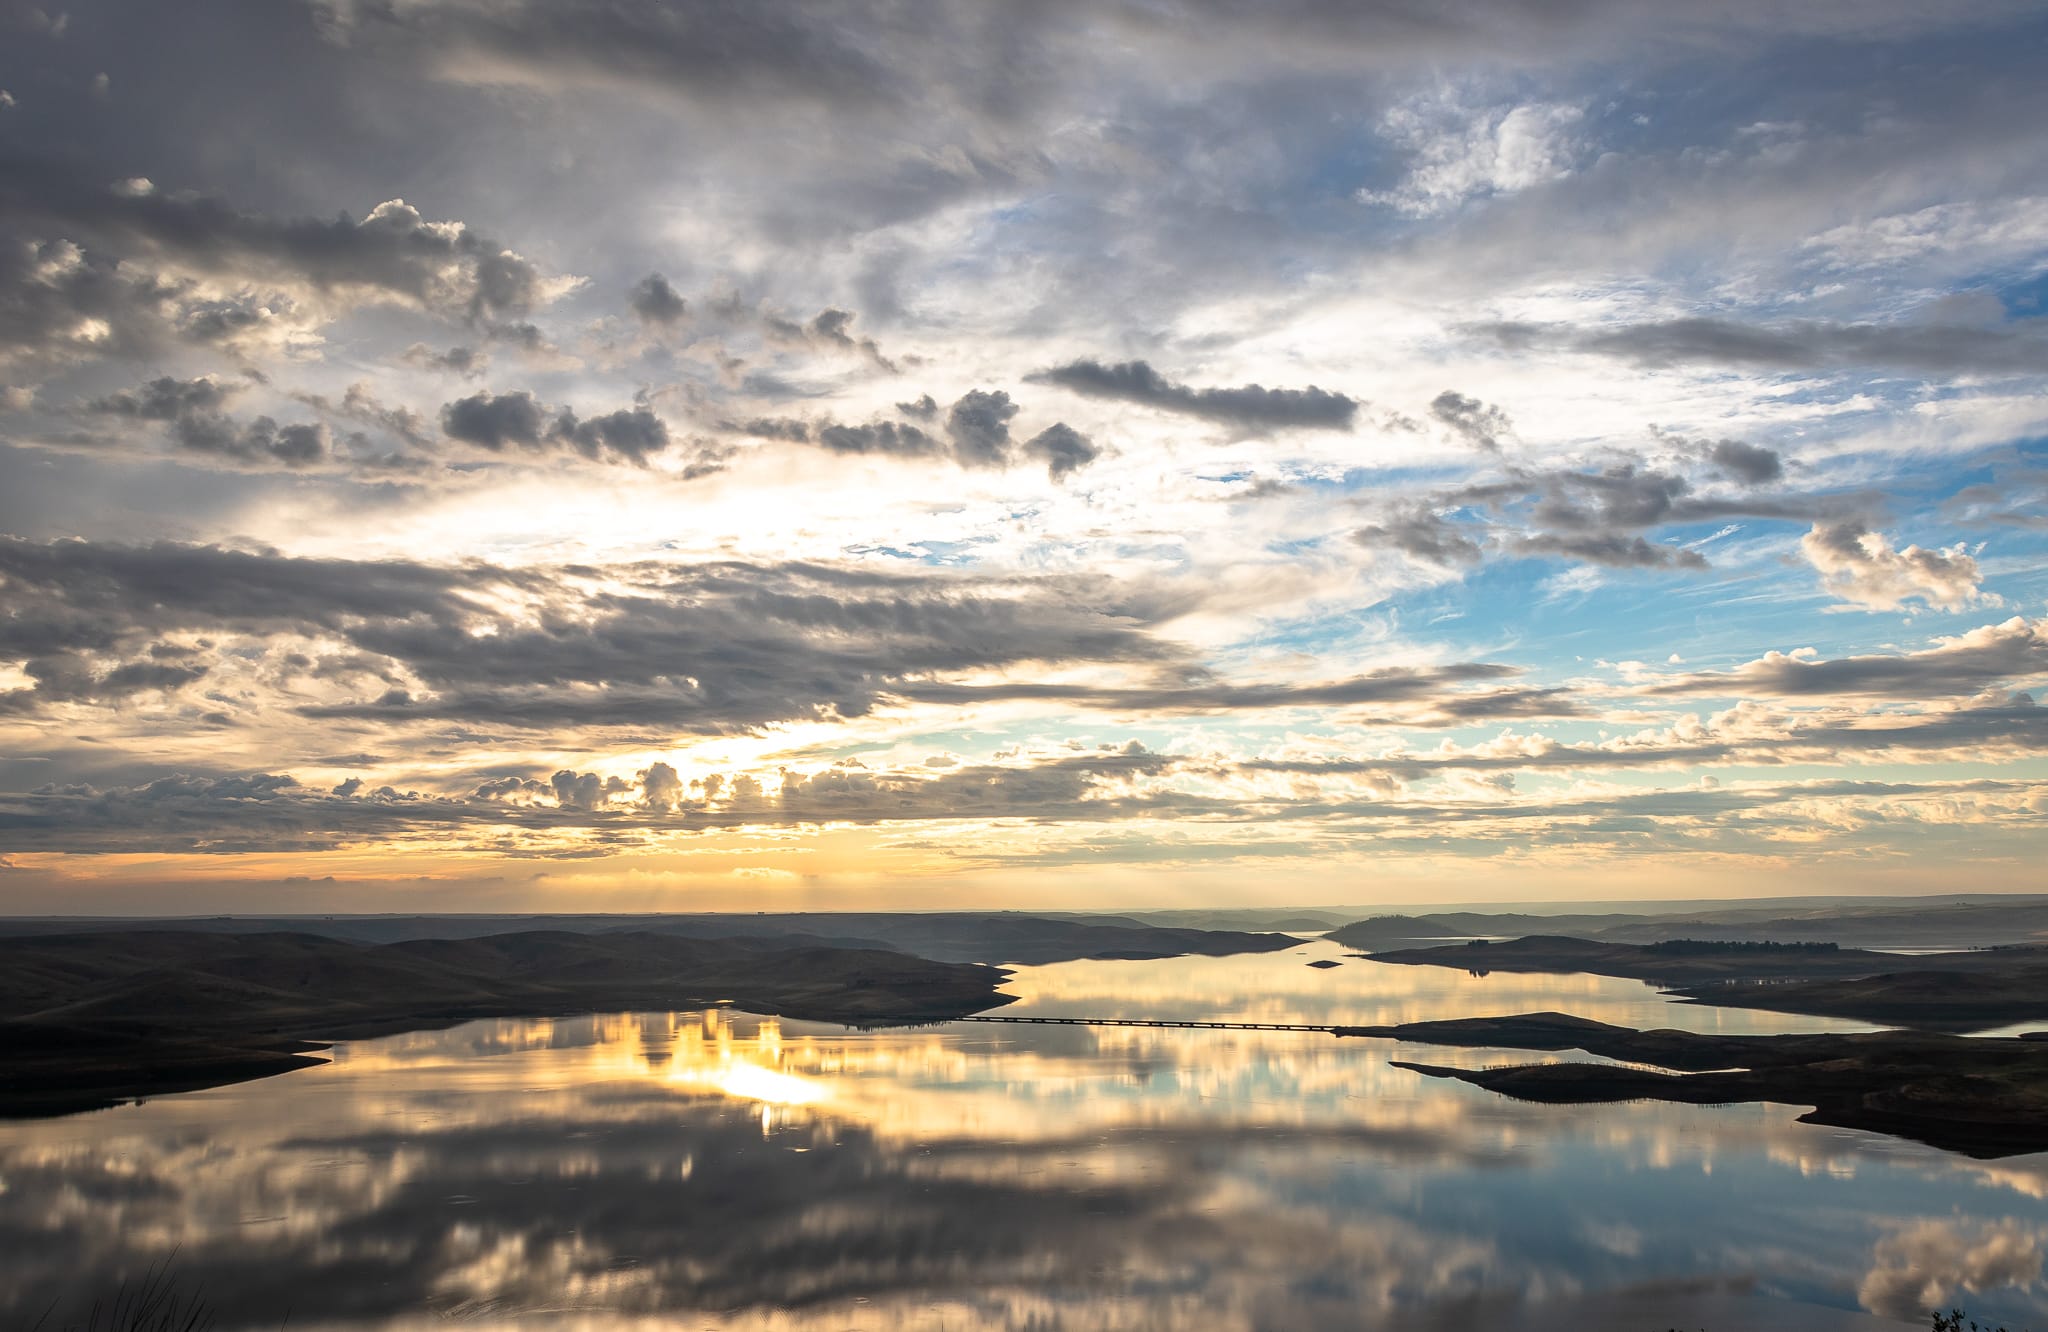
500, 421
1252, 405
655, 301
1938, 349
1965, 665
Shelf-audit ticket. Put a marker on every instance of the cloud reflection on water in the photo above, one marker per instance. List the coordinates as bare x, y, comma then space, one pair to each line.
750, 1173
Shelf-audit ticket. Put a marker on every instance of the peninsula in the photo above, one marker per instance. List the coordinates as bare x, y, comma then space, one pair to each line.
89, 1020
1981, 1096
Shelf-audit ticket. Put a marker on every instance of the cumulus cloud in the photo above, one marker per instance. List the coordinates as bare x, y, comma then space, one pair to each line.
1475, 421
1751, 464
884, 437
1252, 406
979, 426
976, 434
1863, 569
1457, 153
191, 412
1063, 449
656, 302
393, 254
500, 421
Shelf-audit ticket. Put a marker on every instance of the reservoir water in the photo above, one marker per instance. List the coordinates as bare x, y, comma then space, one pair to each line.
721, 1170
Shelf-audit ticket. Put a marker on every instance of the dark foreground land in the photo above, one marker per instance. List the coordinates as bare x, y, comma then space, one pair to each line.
1957, 991
1981, 1096
89, 1020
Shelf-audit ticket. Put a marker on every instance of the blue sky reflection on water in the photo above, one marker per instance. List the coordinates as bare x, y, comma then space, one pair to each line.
721, 1170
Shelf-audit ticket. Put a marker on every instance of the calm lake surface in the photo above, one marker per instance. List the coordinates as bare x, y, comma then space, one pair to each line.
719, 1170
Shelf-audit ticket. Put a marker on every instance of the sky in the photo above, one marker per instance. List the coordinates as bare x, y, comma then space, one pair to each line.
623, 455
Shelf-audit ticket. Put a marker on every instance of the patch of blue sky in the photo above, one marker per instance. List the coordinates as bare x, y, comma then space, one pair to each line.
2023, 298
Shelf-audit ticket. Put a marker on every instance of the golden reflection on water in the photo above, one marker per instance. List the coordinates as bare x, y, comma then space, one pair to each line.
610, 1171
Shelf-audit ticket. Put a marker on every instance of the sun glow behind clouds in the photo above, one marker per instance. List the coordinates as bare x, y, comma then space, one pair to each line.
818, 511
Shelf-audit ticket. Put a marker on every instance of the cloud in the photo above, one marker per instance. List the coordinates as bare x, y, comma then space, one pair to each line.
1423, 534
1958, 666
883, 437
1474, 420
976, 435
191, 413
1252, 406
393, 254
1863, 569
464, 361
656, 302
1063, 449
712, 648
1457, 153
1750, 464
1609, 549
1929, 348
1919, 1266
1594, 517
979, 426
496, 422
708, 54
1434, 696
69, 678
